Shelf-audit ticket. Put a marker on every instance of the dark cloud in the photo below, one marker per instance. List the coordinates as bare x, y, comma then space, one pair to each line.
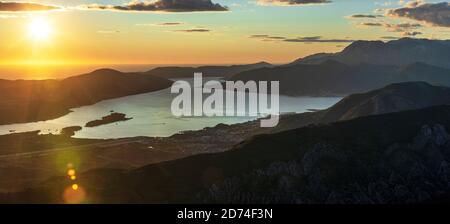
318, 39
372, 24
259, 36
360, 16
411, 34
170, 24
389, 38
277, 38
311, 39
408, 25
160, 24
195, 30
292, 2
267, 37
25, 7
402, 27
163, 6
399, 27
437, 14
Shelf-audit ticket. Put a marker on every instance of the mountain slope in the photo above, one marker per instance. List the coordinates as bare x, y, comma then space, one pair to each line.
392, 158
312, 59
211, 71
392, 98
335, 78
33, 100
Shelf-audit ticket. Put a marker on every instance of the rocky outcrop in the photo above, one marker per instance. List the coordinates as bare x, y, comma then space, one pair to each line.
410, 172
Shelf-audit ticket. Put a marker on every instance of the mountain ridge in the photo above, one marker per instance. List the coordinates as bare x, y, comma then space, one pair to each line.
332, 77
399, 52
207, 70
35, 100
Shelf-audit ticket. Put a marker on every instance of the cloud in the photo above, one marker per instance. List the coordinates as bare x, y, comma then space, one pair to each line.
362, 16
310, 39
267, 37
407, 25
399, 27
317, 39
161, 24
259, 36
371, 24
276, 38
291, 2
25, 7
413, 4
169, 24
411, 34
389, 38
162, 6
195, 30
402, 27
437, 14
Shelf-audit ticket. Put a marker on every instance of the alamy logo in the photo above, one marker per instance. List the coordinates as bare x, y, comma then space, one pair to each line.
236, 99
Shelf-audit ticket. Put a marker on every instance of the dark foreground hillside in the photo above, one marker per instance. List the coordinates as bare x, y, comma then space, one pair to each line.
391, 158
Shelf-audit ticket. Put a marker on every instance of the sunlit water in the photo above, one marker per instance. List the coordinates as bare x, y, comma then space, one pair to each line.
151, 116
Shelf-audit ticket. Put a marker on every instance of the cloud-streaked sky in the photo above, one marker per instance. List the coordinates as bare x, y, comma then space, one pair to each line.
208, 31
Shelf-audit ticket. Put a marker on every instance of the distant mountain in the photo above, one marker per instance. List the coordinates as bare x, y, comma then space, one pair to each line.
34, 100
399, 157
335, 78
396, 52
211, 71
108, 83
313, 59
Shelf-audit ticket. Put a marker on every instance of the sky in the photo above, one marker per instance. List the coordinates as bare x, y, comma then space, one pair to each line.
205, 31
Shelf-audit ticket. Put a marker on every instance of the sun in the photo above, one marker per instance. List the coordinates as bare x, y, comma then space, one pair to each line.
39, 29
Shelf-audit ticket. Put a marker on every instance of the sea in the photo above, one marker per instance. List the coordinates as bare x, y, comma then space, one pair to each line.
151, 114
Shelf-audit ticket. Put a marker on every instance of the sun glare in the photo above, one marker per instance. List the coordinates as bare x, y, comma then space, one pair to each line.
39, 29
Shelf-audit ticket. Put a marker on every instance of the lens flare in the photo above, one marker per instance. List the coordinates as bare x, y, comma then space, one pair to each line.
72, 196
71, 172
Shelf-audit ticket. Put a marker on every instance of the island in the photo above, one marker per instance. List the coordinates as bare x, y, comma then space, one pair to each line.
70, 131
114, 117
